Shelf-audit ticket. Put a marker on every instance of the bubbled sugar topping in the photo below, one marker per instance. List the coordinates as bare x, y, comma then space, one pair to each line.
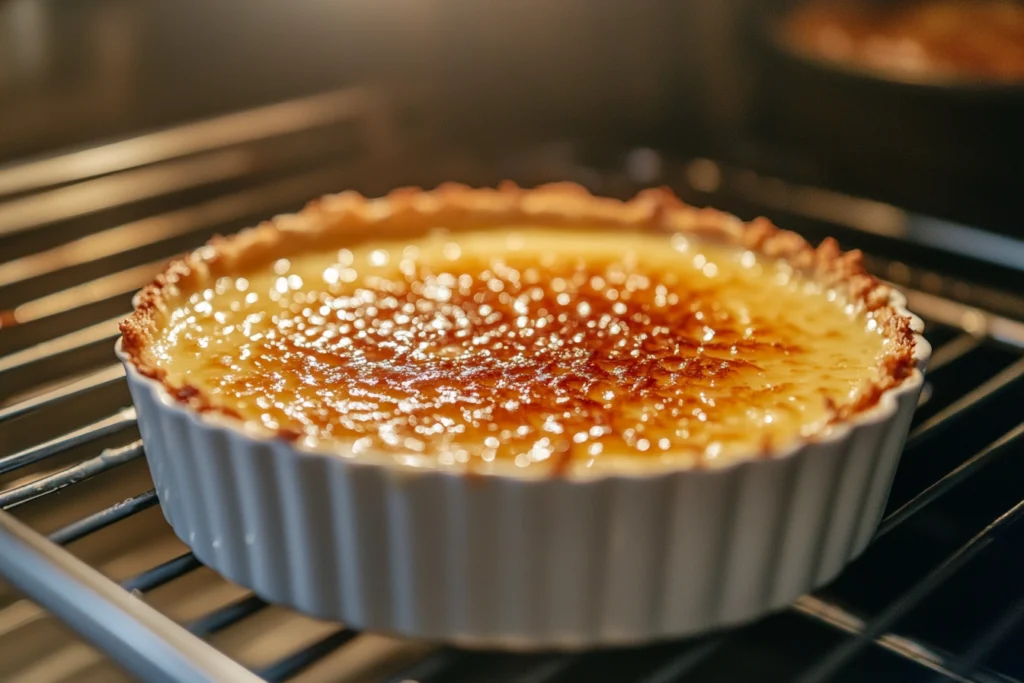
535, 346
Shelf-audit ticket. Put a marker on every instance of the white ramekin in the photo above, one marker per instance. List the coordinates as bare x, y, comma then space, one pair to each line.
513, 562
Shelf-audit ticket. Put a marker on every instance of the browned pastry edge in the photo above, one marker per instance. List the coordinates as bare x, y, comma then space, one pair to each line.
331, 219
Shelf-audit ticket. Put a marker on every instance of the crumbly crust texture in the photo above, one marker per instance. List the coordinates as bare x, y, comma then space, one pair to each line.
337, 219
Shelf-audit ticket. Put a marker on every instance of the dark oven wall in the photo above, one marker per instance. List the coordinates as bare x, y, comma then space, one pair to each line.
608, 71
695, 77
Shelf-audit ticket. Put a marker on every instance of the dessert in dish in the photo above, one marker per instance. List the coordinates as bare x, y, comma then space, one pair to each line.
543, 346
980, 40
719, 401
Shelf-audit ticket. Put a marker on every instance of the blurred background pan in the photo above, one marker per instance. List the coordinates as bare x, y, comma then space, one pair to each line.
950, 146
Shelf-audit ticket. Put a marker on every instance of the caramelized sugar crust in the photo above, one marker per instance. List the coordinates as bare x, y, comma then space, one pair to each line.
510, 343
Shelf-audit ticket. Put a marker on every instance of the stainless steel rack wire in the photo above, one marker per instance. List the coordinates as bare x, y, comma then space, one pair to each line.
83, 543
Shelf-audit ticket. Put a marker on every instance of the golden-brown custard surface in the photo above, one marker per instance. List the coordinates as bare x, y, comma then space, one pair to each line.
976, 39
538, 346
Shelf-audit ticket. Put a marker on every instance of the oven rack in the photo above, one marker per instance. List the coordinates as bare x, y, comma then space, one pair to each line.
81, 231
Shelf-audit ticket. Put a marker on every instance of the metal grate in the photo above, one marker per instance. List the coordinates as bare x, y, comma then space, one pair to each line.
80, 531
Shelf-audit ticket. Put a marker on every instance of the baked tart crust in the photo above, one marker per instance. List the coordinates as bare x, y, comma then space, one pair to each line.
332, 220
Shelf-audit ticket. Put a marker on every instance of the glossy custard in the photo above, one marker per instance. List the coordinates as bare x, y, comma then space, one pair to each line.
536, 346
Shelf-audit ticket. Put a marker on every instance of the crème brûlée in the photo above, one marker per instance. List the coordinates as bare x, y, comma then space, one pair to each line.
538, 344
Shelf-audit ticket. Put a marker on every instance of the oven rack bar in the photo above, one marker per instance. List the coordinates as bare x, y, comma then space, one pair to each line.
222, 132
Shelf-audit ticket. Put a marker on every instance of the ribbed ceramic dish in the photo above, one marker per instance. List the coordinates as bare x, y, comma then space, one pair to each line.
567, 562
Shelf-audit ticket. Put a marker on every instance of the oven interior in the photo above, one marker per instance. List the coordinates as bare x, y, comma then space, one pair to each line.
99, 589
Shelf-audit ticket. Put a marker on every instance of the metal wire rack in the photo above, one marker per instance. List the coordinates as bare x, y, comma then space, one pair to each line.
933, 598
